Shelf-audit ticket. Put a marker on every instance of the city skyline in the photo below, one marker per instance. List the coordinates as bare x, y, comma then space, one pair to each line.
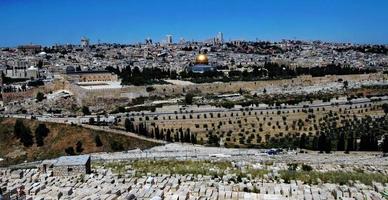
61, 22
194, 99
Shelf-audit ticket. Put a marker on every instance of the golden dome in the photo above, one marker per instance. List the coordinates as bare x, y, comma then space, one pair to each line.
201, 59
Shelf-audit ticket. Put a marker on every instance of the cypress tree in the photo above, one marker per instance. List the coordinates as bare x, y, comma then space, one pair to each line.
157, 134
350, 143
168, 135
98, 141
128, 125
341, 142
193, 138
322, 142
40, 133
328, 144
385, 144
303, 141
78, 147
23, 133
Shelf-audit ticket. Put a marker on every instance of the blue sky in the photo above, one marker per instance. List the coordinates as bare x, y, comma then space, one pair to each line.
127, 21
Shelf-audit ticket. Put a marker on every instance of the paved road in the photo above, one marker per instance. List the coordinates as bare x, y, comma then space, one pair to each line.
360, 101
130, 134
77, 120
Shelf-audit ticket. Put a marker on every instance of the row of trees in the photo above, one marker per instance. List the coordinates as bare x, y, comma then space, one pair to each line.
169, 135
24, 133
368, 142
347, 134
331, 69
78, 149
272, 71
134, 76
344, 137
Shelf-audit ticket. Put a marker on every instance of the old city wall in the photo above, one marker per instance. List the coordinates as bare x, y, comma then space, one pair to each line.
233, 87
125, 94
30, 93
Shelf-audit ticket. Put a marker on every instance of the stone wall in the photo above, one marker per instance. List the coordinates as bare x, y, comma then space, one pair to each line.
89, 97
17, 96
92, 77
71, 170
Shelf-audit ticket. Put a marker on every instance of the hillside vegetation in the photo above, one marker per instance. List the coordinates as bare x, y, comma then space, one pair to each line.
22, 139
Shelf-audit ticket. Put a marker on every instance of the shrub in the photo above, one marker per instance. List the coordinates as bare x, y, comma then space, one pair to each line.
39, 96
306, 168
70, 151
98, 141
40, 133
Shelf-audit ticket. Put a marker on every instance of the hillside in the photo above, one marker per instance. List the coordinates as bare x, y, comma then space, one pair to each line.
59, 138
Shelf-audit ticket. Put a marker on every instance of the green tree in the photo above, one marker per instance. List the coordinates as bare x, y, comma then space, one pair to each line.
328, 145
241, 91
341, 142
40, 133
213, 140
303, 141
346, 85
128, 125
322, 142
23, 133
385, 144
85, 110
78, 147
157, 133
98, 141
189, 98
70, 151
168, 135
350, 143
193, 138
306, 168
39, 96
385, 108
92, 121
116, 146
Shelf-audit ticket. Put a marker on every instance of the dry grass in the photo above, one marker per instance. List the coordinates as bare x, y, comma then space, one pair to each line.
60, 137
181, 167
338, 177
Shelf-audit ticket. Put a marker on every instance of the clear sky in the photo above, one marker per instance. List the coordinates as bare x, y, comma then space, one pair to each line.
48, 22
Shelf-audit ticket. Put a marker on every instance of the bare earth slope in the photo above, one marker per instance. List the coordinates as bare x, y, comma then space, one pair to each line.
60, 137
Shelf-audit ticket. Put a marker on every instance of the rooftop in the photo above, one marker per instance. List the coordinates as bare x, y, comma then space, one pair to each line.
88, 72
201, 68
72, 160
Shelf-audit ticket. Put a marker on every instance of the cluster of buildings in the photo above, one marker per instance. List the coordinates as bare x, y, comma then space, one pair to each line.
217, 40
90, 76
229, 55
23, 68
310, 54
96, 66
